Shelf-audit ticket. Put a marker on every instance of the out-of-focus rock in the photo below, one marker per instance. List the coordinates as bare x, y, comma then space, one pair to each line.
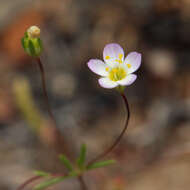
64, 85
161, 63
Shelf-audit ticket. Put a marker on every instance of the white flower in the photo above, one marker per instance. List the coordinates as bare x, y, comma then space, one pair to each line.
115, 70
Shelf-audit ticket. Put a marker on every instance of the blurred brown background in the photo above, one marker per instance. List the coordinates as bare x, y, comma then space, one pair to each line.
154, 154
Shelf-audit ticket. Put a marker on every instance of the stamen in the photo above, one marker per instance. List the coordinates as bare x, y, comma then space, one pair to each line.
120, 56
129, 66
107, 57
107, 68
119, 60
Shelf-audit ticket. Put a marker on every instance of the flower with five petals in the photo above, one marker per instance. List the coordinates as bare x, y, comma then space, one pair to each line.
115, 71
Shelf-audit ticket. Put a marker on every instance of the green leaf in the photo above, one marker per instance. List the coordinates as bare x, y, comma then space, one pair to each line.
66, 162
41, 173
48, 183
82, 156
100, 164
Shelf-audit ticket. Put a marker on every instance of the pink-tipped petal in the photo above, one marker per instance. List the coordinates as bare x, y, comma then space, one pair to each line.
133, 61
112, 52
97, 66
128, 80
107, 83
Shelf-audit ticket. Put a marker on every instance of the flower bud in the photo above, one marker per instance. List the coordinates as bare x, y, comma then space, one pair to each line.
33, 32
31, 42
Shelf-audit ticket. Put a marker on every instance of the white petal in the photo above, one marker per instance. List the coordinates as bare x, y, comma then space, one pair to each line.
133, 61
107, 83
128, 80
112, 52
97, 66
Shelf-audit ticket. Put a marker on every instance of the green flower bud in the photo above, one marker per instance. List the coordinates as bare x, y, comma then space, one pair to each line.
31, 42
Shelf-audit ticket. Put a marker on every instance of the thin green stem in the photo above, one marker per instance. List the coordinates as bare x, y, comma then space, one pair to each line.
107, 151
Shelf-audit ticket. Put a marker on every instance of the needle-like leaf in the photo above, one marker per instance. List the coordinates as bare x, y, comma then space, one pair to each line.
82, 156
100, 164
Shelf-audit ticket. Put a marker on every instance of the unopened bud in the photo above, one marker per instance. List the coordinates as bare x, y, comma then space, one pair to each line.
34, 32
31, 42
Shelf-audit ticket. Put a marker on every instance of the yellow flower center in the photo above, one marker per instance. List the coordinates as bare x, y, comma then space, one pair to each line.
117, 73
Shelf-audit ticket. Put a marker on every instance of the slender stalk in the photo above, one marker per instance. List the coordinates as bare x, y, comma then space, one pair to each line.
107, 151
40, 65
82, 182
31, 180
28, 182
58, 141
